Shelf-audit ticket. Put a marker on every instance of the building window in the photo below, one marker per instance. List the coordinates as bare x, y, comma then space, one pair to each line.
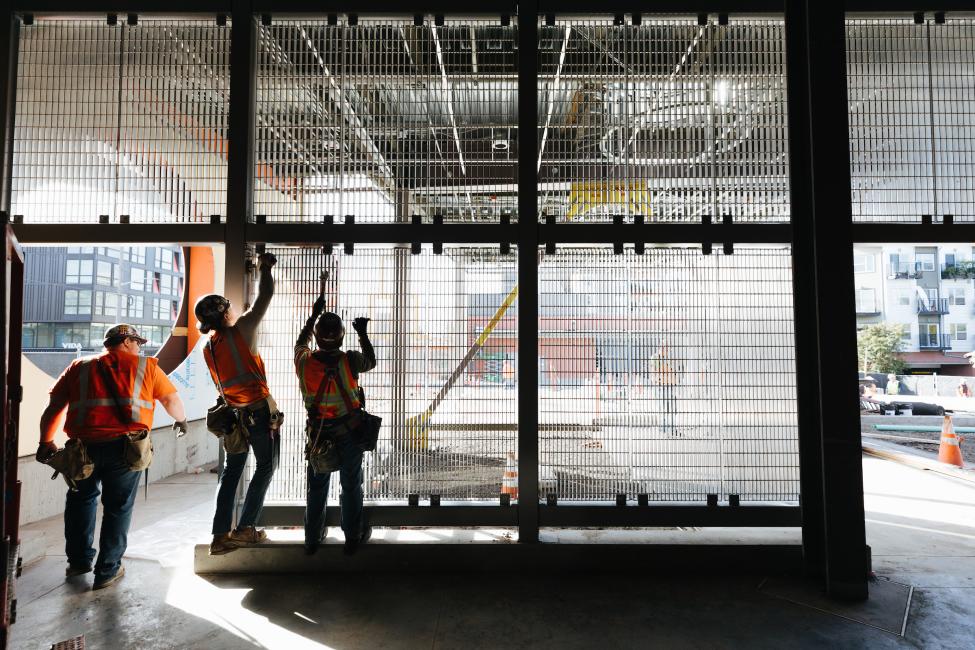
949, 260
925, 261
82, 250
107, 273
863, 263
137, 279
77, 303
866, 302
134, 306
959, 332
902, 297
164, 259
161, 309
136, 255
165, 284
78, 272
906, 335
106, 304
109, 252
956, 296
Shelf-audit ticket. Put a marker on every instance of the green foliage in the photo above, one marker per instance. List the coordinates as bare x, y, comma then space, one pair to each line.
878, 347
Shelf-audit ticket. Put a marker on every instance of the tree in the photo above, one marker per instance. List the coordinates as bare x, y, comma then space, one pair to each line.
878, 348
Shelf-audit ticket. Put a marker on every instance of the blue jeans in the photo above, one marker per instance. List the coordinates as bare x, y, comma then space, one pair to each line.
260, 442
118, 489
350, 473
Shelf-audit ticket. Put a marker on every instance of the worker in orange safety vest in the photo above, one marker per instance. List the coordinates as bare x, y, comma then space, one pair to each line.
110, 400
238, 372
328, 378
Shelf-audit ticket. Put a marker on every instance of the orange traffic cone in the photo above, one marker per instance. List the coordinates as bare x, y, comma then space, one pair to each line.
509, 484
950, 449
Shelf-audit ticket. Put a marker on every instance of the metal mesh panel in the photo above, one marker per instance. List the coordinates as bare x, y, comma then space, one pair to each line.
670, 373
385, 119
126, 120
890, 120
444, 331
668, 119
953, 87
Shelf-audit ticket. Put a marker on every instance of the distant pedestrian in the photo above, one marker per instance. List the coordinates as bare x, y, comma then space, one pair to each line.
964, 390
893, 385
665, 373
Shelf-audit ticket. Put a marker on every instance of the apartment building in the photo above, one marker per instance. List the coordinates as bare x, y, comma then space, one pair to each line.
930, 289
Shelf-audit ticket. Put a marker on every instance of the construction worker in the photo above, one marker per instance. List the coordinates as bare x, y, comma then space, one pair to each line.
108, 397
329, 385
238, 372
664, 377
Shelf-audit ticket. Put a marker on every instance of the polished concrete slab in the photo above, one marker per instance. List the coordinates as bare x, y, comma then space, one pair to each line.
920, 527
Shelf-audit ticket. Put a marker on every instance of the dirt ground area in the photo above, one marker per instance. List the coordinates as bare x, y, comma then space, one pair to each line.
868, 422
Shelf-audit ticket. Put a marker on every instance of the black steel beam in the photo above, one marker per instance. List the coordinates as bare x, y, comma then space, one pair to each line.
804, 292
846, 558
561, 516
76, 7
527, 275
667, 233
298, 233
150, 233
563, 7
401, 515
907, 6
610, 516
240, 153
893, 233
385, 7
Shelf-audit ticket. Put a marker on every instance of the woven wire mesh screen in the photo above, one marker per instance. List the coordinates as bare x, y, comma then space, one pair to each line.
444, 330
888, 83
668, 119
121, 120
953, 86
385, 119
670, 374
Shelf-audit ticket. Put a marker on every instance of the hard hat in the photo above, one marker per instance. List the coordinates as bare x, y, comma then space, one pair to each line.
118, 333
329, 331
210, 310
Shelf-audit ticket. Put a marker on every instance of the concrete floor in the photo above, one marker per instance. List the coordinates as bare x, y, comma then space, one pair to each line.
921, 527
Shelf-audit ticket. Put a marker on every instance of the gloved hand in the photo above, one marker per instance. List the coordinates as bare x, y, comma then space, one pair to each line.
266, 260
360, 324
44, 451
180, 428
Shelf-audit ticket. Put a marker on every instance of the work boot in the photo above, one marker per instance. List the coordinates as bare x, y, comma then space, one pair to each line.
76, 570
311, 549
248, 535
352, 545
108, 582
223, 544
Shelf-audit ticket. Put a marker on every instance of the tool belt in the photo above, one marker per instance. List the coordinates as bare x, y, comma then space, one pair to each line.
72, 462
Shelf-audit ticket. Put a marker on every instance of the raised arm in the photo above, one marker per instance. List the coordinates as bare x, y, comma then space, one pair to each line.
303, 343
367, 360
249, 321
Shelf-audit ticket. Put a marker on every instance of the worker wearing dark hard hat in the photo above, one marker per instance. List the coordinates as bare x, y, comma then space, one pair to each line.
238, 373
111, 399
328, 378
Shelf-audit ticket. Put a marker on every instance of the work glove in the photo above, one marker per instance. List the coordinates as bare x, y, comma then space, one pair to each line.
360, 324
266, 260
180, 427
45, 451
319, 305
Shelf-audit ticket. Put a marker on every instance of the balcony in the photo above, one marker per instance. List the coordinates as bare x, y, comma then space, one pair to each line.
903, 271
958, 271
935, 307
868, 308
934, 342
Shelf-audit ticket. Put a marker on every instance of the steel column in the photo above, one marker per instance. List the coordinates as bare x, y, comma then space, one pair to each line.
9, 36
527, 272
846, 563
804, 291
240, 156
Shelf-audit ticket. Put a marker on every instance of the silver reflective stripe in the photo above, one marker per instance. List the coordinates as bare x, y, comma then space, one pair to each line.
81, 404
140, 377
141, 403
238, 362
953, 442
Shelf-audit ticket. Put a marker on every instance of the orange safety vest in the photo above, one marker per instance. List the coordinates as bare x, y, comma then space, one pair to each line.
242, 376
313, 372
92, 411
